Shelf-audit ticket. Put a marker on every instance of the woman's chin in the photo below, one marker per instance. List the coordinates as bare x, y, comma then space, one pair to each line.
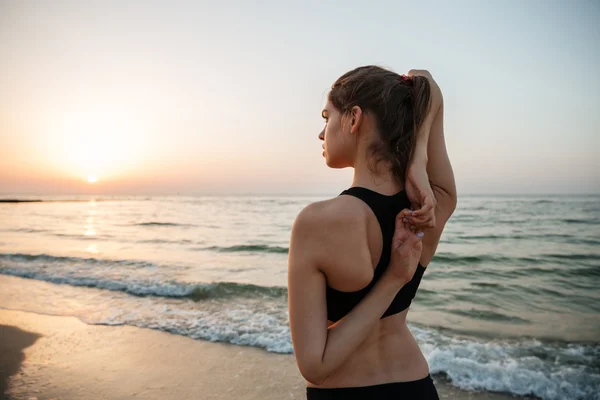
332, 164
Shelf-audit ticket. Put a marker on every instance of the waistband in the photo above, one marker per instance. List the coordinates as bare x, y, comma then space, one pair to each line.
405, 388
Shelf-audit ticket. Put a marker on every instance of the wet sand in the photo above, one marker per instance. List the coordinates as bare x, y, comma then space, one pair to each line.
52, 357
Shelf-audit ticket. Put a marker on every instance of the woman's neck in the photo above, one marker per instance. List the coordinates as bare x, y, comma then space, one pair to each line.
381, 180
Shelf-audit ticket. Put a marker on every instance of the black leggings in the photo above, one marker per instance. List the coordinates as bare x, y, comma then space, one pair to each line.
421, 389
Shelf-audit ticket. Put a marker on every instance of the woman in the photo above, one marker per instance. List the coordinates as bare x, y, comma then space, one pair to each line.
356, 260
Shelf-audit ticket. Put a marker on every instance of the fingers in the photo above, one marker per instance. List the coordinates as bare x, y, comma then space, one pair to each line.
419, 72
425, 216
404, 215
423, 223
428, 206
409, 242
426, 221
406, 219
405, 223
400, 230
426, 209
416, 224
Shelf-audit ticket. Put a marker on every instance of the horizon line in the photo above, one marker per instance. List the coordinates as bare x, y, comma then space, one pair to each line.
17, 196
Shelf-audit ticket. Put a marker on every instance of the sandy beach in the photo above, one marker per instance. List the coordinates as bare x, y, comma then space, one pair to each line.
50, 357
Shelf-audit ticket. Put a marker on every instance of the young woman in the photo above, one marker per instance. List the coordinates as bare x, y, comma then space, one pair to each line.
356, 260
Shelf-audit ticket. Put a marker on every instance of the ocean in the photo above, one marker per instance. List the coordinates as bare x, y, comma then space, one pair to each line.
510, 302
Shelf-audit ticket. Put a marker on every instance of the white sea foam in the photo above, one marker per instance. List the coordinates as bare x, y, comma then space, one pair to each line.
242, 324
527, 367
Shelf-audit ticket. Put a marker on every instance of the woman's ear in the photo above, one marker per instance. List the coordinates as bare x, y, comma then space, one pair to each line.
356, 119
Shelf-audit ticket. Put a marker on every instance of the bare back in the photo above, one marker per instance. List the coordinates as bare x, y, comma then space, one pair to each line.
389, 353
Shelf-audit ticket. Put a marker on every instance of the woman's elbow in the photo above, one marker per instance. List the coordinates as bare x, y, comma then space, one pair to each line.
315, 379
312, 373
452, 202
446, 202
449, 206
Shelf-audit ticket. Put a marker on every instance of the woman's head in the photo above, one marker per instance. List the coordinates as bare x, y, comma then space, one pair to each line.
377, 110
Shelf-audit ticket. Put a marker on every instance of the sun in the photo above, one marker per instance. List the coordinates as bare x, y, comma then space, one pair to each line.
98, 145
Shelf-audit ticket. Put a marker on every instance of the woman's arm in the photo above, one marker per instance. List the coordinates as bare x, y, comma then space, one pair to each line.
431, 156
439, 168
417, 183
321, 238
430, 148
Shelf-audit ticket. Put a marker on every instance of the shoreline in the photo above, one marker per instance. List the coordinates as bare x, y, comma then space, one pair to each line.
60, 357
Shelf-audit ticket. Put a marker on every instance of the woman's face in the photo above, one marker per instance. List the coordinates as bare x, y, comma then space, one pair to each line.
338, 143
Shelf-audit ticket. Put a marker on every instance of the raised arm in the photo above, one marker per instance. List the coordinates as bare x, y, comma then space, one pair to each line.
431, 156
324, 240
439, 169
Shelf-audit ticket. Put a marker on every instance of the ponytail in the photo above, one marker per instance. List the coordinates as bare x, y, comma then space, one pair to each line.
399, 103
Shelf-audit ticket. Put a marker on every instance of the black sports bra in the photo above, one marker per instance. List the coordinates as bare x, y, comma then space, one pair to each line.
385, 208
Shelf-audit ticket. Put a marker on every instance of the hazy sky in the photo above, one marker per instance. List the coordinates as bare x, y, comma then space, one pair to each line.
197, 97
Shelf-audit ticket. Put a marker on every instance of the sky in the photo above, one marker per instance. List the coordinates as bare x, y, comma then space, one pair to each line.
201, 97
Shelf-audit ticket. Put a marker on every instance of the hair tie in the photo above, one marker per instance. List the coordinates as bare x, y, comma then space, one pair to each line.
407, 79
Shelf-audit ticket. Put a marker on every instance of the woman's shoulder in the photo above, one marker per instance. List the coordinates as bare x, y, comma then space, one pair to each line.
332, 235
340, 211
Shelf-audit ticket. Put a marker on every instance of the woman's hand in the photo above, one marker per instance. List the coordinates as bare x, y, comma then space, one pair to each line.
406, 250
436, 92
421, 196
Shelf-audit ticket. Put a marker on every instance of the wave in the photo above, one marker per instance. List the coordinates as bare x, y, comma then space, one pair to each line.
83, 237
153, 223
248, 248
454, 259
28, 230
593, 221
486, 284
166, 241
458, 260
42, 259
192, 291
516, 236
487, 315
75, 273
466, 218
568, 271
548, 370
573, 257
232, 289
591, 242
